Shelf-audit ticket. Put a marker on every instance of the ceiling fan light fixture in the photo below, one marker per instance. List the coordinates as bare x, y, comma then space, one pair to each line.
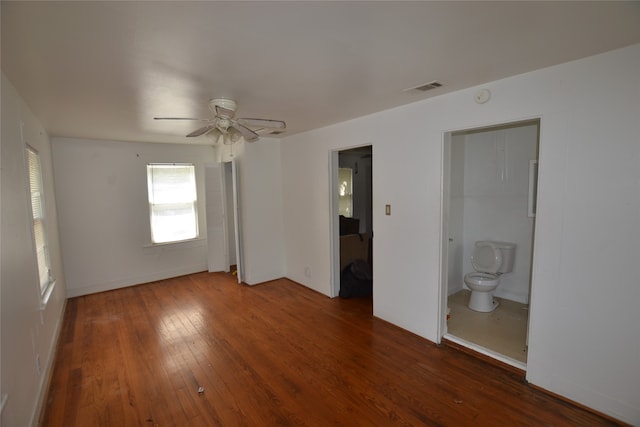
215, 134
232, 136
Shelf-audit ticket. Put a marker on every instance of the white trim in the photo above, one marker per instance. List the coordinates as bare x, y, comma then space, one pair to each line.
47, 294
334, 224
177, 242
483, 350
3, 402
47, 372
156, 184
226, 210
135, 280
445, 161
237, 213
533, 188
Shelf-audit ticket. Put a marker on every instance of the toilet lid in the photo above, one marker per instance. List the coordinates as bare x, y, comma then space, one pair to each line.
486, 258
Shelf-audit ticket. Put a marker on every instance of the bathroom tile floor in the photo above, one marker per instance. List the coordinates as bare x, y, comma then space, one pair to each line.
504, 330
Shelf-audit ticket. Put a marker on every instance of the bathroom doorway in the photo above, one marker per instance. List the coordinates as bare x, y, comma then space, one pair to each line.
489, 193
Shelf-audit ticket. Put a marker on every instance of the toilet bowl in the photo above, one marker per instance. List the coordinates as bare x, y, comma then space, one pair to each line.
489, 260
482, 286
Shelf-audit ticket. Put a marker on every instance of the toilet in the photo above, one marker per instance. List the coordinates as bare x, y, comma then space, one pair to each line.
489, 260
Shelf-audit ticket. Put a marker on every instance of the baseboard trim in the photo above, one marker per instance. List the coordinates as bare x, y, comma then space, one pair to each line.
580, 405
134, 280
522, 374
489, 358
43, 392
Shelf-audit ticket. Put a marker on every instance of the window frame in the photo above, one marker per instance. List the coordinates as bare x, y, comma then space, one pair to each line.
154, 238
46, 281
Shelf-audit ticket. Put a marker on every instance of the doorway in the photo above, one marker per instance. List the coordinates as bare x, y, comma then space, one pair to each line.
489, 193
352, 215
222, 209
235, 261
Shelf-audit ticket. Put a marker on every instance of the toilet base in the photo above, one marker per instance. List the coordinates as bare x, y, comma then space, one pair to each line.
482, 302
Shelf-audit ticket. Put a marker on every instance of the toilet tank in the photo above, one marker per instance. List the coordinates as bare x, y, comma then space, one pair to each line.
508, 256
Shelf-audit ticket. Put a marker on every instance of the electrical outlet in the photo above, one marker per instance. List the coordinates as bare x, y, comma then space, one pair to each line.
307, 271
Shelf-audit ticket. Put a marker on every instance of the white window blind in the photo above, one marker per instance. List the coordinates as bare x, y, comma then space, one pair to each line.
39, 222
172, 202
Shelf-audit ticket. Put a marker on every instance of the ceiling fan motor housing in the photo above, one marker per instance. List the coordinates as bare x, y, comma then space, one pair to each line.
227, 104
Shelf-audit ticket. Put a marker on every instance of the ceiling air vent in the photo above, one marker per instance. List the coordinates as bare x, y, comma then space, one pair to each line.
425, 87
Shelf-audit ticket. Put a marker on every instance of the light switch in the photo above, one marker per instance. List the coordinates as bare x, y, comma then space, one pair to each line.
387, 209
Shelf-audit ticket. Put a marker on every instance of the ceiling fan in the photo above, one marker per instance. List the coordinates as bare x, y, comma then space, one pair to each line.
224, 126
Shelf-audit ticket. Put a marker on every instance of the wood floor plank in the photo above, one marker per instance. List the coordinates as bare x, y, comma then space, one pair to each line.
272, 354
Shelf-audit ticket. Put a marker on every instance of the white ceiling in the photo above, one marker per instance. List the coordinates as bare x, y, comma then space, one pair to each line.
103, 70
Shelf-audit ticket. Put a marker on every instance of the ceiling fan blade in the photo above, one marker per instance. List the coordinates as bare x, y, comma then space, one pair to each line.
224, 112
263, 123
180, 118
247, 133
201, 131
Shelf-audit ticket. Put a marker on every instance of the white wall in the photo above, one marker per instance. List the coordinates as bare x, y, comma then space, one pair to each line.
104, 216
104, 213
261, 211
584, 321
28, 331
496, 189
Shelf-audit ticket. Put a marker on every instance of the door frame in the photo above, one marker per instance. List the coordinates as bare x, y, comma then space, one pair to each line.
235, 174
216, 227
334, 222
444, 235
234, 210
334, 217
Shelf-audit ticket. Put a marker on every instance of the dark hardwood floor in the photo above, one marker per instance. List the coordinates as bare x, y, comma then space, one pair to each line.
272, 354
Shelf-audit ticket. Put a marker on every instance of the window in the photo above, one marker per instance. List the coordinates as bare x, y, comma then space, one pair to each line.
345, 198
172, 202
39, 222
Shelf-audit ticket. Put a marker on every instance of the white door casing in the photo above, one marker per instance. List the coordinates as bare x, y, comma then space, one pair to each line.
216, 220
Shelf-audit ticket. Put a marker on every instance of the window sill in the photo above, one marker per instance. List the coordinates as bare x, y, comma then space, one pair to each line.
177, 242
